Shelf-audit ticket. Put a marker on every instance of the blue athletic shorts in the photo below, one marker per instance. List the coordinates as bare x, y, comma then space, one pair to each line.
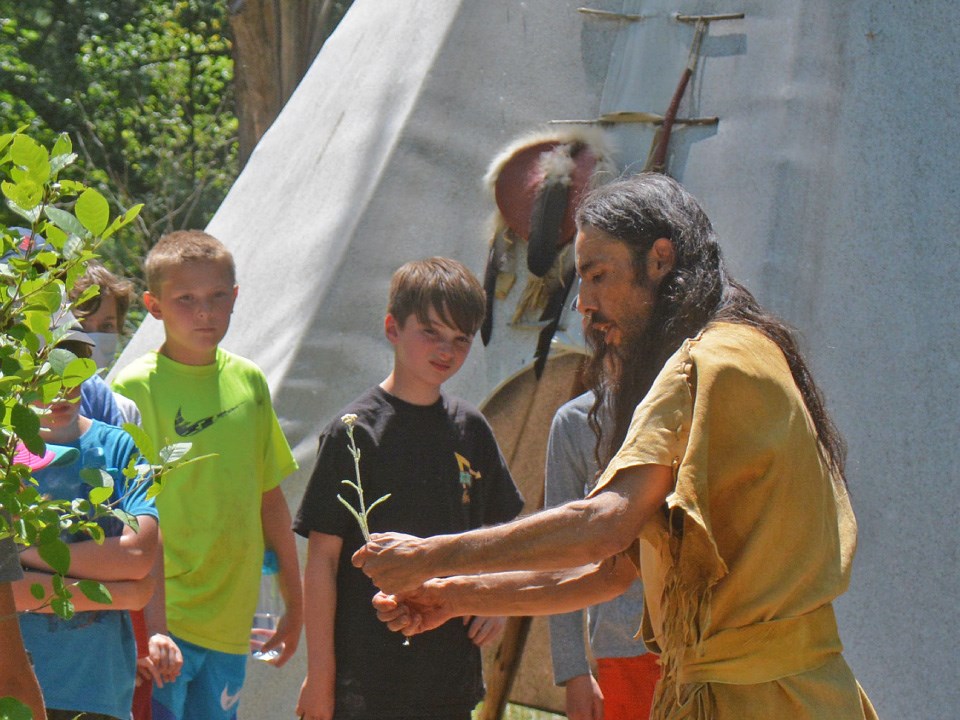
208, 687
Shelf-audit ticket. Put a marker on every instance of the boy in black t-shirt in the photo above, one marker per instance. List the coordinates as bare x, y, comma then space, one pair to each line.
438, 459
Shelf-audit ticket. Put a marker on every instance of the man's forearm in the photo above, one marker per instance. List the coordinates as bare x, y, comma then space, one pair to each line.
538, 592
571, 535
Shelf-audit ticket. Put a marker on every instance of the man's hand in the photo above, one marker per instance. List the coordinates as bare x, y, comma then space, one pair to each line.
417, 612
285, 640
584, 699
485, 631
164, 661
315, 701
396, 563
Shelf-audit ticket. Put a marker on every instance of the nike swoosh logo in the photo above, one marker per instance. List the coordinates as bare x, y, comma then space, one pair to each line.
227, 700
183, 428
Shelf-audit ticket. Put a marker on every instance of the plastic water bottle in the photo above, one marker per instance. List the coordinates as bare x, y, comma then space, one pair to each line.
270, 608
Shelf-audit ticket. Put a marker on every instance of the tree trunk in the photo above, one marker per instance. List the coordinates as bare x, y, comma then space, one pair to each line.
274, 42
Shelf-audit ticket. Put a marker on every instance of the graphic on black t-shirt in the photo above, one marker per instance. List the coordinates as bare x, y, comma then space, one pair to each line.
467, 476
185, 428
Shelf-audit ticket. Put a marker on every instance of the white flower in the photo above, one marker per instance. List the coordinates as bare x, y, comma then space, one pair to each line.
349, 419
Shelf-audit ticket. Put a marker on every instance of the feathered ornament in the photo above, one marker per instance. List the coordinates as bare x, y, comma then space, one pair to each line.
537, 183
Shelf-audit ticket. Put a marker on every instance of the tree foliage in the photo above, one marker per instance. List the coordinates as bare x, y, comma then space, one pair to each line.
145, 89
35, 277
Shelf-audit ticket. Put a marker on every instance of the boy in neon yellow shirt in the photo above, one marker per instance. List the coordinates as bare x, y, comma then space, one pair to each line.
217, 515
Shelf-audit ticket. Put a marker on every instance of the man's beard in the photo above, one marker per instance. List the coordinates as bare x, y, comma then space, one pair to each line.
614, 373
616, 360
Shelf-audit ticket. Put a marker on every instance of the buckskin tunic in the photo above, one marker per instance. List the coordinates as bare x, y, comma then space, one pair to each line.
754, 543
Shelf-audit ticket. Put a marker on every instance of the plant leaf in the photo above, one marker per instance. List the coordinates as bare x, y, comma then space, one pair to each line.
100, 495
143, 442
56, 554
62, 607
95, 591
76, 371
92, 211
13, 709
65, 221
173, 452
26, 425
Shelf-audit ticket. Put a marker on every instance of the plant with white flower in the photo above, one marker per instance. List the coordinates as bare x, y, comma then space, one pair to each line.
361, 516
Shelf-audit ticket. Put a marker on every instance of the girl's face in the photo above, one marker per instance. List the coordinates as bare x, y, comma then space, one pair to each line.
105, 319
104, 327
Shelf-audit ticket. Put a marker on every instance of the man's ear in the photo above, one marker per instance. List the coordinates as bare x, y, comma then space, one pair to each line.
391, 329
152, 303
661, 259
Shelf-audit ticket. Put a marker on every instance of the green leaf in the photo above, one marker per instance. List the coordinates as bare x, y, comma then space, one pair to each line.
92, 211
36, 589
73, 246
13, 709
65, 221
173, 452
377, 502
126, 518
56, 554
71, 187
54, 235
26, 425
95, 591
59, 162
24, 197
62, 146
62, 607
38, 322
46, 296
100, 495
88, 294
77, 371
123, 220
5, 140
32, 156
96, 533
96, 477
143, 442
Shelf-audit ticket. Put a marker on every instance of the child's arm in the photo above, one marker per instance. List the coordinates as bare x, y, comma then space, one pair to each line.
316, 699
125, 594
277, 536
128, 556
165, 659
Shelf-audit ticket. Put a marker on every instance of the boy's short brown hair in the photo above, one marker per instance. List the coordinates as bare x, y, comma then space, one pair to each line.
440, 283
110, 285
183, 246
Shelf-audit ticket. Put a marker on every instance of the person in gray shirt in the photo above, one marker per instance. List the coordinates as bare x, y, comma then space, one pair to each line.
626, 672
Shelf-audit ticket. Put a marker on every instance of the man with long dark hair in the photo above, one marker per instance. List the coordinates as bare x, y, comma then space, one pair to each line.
728, 487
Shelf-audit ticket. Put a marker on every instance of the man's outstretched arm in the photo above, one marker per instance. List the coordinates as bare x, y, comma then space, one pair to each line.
571, 535
510, 593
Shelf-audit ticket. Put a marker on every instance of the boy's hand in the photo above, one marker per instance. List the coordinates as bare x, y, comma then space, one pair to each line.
164, 661
315, 701
584, 700
285, 639
485, 631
